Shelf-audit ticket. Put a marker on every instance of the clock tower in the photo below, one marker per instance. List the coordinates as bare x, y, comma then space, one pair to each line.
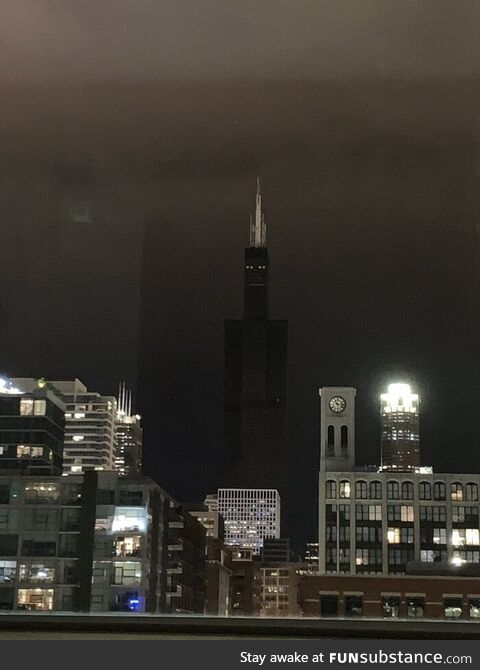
337, 428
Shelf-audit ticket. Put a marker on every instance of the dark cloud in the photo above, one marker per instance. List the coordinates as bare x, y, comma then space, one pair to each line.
145, 39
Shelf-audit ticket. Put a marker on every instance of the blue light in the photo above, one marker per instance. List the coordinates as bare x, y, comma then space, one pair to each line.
133, 604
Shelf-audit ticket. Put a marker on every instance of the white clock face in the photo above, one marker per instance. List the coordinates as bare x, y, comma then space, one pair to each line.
337, 404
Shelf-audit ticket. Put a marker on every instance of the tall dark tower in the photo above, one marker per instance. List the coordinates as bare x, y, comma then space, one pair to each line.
256, 376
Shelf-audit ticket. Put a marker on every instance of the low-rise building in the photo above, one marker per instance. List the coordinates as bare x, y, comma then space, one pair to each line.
448, 596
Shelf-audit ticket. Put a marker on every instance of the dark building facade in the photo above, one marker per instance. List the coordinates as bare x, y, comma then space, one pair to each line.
97, 542
32, 427
255, 376
186, 567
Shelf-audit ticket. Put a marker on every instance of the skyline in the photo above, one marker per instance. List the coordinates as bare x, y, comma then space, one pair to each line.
360, 189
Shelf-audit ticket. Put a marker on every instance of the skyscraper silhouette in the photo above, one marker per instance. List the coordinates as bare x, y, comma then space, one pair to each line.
256, 376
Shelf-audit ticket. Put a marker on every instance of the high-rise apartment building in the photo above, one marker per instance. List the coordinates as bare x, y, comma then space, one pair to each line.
129, 435
250, 516
97, 542
256, 376
90, 436
32, 426
400, 428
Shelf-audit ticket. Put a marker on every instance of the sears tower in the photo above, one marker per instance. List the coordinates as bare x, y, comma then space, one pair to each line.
256, 376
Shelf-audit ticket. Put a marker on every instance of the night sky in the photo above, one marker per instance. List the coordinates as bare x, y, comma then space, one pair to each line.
362, 119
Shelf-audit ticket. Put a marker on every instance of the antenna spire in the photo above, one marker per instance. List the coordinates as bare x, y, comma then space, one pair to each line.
258, 230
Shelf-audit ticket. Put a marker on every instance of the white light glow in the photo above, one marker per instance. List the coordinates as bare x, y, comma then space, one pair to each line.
456, 560
399, 398
6, 386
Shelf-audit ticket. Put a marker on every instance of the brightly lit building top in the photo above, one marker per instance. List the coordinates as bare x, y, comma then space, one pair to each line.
400, 398
400, 428
7, 387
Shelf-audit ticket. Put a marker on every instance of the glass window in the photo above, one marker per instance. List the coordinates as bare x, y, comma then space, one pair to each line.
26, 407
331, 489
344, 489
36, 572
439, 536
129, 519
127, 573
471, 491
35, 599
41, 492
407, 513
361, 490
407, 491
344, 438
353, 606
127, 545
393, 491
391, 607
474, 608
457, 492
376, 490
439, 491
425, 491
453, 608
40, 407
415, 607
328, 605
7, 571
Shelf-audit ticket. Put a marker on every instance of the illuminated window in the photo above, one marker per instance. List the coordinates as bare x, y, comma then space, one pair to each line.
453, 608
40, 407
7, 571
35, 599
23, 451
457, 492
79, 415
393, 536
472, 536
474, 608
391, 607
26, 407
77, 438
344, 489
127, 573
127, 546
129, 519
41, 492
406, 513
36, 572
